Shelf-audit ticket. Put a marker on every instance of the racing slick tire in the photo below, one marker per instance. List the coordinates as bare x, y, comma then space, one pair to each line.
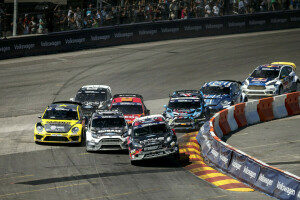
134, 162
280, 90
297, 87
176, 156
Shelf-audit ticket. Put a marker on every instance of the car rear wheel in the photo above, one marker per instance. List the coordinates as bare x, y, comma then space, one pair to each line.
297, 86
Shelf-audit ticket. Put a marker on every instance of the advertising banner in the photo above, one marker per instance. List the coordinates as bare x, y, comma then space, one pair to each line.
237, 164
250, 172
225, 157
267, 180
286, 188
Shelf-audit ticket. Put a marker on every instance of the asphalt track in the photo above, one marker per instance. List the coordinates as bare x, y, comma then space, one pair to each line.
28, 85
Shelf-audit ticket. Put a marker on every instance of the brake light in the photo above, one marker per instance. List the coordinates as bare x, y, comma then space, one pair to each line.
173, 131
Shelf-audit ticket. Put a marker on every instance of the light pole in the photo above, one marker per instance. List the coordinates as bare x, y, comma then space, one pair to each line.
15, 17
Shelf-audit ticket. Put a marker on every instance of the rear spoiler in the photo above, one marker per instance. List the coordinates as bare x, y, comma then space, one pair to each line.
285, 63
67, 102
239, 82
128, 95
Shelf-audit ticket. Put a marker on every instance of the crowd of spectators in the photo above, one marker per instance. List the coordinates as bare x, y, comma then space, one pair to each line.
130, 11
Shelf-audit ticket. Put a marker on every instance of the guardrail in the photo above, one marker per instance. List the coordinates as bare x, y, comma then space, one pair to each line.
146, 32
259, 175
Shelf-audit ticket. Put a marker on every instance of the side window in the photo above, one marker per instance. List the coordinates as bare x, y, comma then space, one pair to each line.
80, 113
233, 88
284, 73
289, 70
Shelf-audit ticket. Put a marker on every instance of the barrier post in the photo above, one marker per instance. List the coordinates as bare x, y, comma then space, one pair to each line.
239, 114
292, 103
265, 109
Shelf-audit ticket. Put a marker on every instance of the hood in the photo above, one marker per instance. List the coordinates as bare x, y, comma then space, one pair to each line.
183, 112
214, 99
259, 81
113, 131
151, 139
59, 126
129, 118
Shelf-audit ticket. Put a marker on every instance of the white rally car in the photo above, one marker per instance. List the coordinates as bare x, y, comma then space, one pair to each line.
272, 79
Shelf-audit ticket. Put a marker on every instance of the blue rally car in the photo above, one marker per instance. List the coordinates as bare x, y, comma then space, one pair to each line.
272, 79
186, 110
219, 95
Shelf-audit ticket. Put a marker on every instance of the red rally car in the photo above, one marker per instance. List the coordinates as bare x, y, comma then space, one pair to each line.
131, 105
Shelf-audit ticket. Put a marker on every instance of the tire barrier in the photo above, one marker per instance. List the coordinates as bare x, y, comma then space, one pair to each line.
255, 173
146, 32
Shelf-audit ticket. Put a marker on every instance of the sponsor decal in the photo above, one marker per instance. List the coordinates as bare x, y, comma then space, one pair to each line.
259, 79
298, 196
100, 37
236, 165
265, 180
74, 41
224, 159
122, 35
215, 153
295, 19
193, 28
278, 20
169, 30
249, 172
49, 44
236, 24
257, 22
4, 49
285, 189
148, 32
24, 46
213, 26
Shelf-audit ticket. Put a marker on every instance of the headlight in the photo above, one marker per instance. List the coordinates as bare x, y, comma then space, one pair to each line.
168, 139
137, 145
94, 135
197, 114
75, 130
271, 83
225, 103
39, 129
246, 82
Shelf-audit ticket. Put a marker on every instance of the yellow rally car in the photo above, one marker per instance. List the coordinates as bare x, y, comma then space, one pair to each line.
62, 122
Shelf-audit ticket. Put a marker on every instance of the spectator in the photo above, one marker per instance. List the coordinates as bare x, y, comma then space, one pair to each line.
33, 25
273, 5
241, 8
216, 10
173, 10
63, 22
1, 16
207, 9
184, 13
20, 27
41, 25
78, 18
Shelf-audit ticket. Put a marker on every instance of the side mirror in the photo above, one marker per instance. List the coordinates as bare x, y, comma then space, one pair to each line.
40, 117
165, 106
72, 99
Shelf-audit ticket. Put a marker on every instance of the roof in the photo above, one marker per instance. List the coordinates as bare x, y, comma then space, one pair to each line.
185, 99
148, 120
108, 113
186, 93
128, 95
127, 99
63, 106
218, 84
95, 87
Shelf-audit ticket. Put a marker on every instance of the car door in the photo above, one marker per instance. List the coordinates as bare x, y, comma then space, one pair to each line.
291, 75
284, 78
236, 95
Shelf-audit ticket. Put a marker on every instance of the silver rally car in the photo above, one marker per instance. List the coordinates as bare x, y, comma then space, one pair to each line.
107, 130
272, 79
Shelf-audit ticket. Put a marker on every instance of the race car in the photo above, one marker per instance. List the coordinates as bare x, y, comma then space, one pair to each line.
93, 97
107, 130
219, 95
151, 137
62, 122
186, 110
131, 105
272, 79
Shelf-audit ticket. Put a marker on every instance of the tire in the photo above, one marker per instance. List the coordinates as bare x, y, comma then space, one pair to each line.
246, 99
176, 156
134, 162
36, 142
297, 86
280, 90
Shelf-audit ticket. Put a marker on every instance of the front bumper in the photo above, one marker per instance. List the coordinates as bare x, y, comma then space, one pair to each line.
266, 92
187, 124
107, 143
145, 155
58, 138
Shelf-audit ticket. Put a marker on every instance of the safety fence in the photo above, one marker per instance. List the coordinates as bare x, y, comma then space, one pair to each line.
259, 175
146, 32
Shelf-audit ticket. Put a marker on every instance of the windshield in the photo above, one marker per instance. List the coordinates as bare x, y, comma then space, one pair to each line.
129, 109
60, 114
154, 129
215, 90
108, 123
91, 97
184, 105
265, 74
